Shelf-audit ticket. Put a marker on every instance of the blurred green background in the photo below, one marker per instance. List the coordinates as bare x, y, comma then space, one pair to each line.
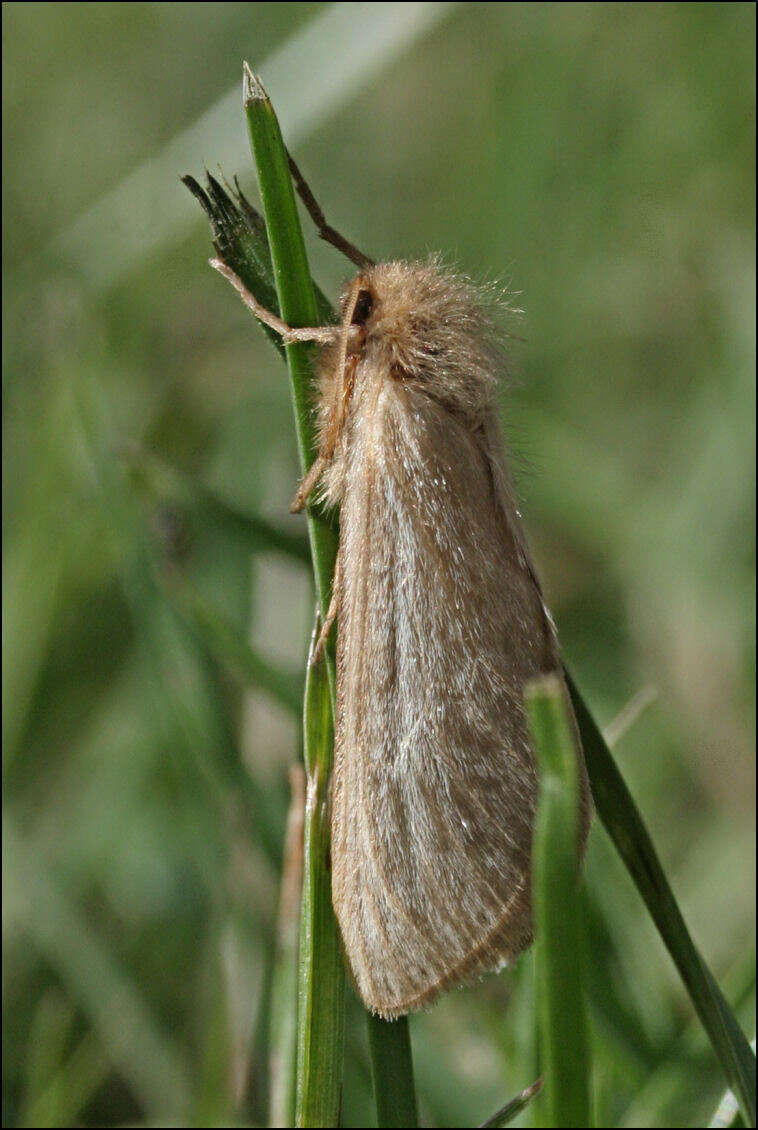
599, 158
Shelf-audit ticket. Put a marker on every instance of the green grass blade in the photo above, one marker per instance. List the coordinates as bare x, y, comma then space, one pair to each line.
512, 1109
321, 981
392, 1071
666, 1088
297, 305
624, 824
283, 1056
561, 1010
321, 987
728, 1112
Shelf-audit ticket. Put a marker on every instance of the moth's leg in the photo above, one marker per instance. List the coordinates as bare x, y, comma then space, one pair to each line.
328, 444
325, 230
342, 394
308, 483
331, 615
273, 321
331, 435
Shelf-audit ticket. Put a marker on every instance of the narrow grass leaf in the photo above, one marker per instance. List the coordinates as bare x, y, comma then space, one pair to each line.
321, 987
561, 1010
667, 1087
624, 824
297, 305
283, 1022
728, 1111
321, 979
507, 1113
392, 1071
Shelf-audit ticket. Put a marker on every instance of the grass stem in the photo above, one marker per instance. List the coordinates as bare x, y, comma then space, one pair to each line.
392, 1071
559, 927
623, 822
321, 983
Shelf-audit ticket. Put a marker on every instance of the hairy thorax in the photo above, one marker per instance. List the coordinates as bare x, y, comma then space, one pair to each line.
416, 333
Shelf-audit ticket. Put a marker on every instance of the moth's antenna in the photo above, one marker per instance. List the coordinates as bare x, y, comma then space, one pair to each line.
325, 230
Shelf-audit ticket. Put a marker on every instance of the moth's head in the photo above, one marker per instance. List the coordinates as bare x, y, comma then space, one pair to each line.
430, 329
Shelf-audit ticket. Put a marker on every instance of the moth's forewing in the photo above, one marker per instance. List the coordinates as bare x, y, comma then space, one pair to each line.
440, 626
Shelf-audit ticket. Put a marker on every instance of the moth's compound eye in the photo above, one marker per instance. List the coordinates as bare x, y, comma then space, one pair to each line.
364, 304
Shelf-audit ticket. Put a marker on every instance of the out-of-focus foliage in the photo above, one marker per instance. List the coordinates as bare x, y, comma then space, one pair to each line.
599, 158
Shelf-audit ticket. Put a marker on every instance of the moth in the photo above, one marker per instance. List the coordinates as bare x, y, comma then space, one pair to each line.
440, 624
